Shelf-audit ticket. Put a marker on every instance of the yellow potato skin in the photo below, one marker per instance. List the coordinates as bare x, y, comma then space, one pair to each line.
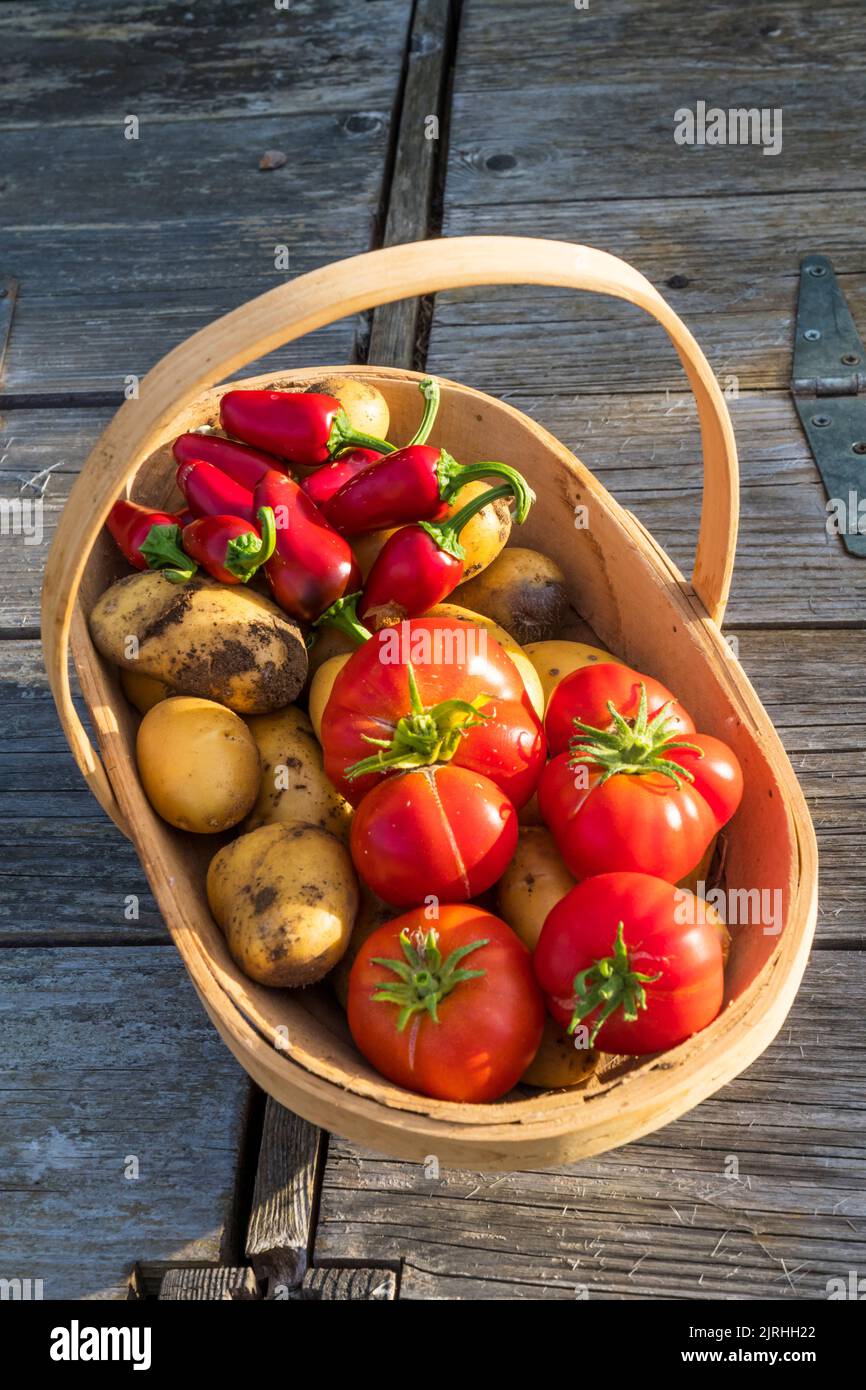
363, 402
534, 882
286, 897
293, 787
198, 764
523, 590
554, 660
558, 1062
142, 691
320, 690
221, 642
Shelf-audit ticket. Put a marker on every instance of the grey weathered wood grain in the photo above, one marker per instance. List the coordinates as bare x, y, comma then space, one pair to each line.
279, 1233
220, 1283
394, 329
226, 60
102, 1051
350, 1285
757, 1193
544, 45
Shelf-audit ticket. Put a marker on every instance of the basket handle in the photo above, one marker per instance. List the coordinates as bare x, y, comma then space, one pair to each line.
336, 291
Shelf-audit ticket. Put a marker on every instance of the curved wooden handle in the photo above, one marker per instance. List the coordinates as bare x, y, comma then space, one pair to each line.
336, 291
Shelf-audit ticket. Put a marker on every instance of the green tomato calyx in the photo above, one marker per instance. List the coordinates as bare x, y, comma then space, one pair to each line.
423, 736
635, 747
424, 979
608, 985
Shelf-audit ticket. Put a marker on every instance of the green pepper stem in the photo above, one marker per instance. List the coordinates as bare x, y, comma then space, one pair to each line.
429, 389
453, 476
247, 553
343, 436
343, 615
423, 978
446, 533
161, 550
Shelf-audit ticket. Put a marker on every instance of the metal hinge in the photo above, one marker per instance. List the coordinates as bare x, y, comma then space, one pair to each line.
828, 376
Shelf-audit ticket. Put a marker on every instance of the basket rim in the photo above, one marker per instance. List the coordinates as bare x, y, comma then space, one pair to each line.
680, 1077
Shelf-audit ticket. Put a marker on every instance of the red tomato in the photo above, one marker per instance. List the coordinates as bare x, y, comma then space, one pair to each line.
662, 977
460, 1017
584, 695
639, 791
454, 664
441, 832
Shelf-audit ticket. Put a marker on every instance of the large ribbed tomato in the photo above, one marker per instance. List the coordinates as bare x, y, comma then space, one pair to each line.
447, 1007
430, 691
637, 961
440, 832
636, 789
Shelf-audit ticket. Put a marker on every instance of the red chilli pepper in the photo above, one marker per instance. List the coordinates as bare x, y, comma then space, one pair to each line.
416, 483
228, 548
238, 461
313, 565
210, 492
420, 565
149, 539
321, 486
305, 427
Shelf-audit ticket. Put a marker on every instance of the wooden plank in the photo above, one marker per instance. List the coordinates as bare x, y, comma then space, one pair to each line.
65, 872
106, 212
279, 1233
759, 1193
226, 60
350, 1285
728, 265
539, 46
220, 1283
103, 1050
395, 327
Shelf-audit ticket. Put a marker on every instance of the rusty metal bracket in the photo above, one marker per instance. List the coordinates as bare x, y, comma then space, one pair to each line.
828, 379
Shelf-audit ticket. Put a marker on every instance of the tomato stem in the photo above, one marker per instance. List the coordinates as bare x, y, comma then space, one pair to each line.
608, 985
423, 736
635, 747
424, 979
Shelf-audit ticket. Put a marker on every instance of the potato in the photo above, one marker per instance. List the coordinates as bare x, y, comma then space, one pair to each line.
486, 534
202, 638
330, 641
534, 882
286, 898
553, 660
558, 1062
505, 640
523, 590
372, 915
198, 764
530, 813
320, 690
293, 787
142, 691
363, 402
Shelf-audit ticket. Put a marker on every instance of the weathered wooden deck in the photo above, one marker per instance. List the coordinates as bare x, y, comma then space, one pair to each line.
131, 1143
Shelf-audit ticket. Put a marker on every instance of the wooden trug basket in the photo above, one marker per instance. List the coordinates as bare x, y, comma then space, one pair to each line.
296, 1044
